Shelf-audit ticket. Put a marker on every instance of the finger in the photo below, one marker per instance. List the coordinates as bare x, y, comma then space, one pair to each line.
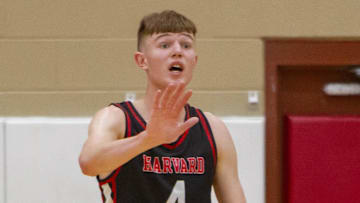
176, 94
156, 104
188, 124
166, 94
179, 105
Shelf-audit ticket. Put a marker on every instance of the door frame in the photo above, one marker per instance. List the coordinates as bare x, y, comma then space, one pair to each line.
293, 52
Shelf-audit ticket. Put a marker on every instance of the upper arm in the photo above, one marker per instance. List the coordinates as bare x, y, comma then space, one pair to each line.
226, 184
106, 126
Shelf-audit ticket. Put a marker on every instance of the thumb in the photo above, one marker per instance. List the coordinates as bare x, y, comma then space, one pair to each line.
189, 123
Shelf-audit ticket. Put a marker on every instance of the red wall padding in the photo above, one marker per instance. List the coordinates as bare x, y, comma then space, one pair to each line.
322, 159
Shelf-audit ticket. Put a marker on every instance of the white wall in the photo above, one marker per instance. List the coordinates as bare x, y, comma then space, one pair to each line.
41, 159
41, 162
249, 140
2, 162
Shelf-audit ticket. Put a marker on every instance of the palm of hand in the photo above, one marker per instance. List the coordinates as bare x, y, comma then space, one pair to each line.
165, 125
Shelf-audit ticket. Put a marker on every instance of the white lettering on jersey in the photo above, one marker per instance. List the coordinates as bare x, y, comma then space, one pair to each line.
178, 193
107, 193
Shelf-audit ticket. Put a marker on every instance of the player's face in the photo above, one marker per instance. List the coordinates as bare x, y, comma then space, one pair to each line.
169, 57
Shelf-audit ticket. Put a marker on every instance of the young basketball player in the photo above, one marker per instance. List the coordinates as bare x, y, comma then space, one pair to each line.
159, 148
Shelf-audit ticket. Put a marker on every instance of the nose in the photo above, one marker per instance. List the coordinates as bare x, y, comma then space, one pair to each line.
177, 50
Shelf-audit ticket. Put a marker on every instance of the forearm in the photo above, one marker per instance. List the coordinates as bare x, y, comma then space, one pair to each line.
229, 190
106, 157
104, 151
236, 195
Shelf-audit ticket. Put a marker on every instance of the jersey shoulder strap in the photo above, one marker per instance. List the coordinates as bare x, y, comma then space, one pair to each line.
128, 122
208, 132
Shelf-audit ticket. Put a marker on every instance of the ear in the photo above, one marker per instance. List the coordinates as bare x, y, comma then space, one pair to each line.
196, 60
140, 60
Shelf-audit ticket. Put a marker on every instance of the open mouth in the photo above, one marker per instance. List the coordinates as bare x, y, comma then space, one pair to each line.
176, 68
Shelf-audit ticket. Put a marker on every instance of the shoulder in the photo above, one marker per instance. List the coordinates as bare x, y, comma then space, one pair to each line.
220, 132
218, 127
216, 123
110, 118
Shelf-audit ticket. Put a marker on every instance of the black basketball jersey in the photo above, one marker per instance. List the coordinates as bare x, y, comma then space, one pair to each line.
180, 172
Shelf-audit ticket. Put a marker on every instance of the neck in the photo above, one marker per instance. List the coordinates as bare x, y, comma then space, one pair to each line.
148, 100
145, 104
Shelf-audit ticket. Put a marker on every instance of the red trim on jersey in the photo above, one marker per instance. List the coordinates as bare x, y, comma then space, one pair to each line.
208, 134
111, 180
128, 121
182, 138
128, 125
113, 189
143, 125
102, 193
135, 115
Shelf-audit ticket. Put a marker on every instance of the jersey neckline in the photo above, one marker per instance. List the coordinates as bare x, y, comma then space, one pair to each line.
143, 124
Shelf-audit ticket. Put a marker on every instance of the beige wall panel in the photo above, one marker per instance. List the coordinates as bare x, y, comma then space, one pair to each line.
4, 104
312, 18
69, 64
27, 65
108, 65
92, 19
2, 17
228, 103
87, 103
230, 18
229, 65
56, 103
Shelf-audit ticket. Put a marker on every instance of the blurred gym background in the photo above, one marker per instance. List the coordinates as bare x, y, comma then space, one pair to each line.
61, 61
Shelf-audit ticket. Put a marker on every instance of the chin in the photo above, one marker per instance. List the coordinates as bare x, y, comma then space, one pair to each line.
186, 81
161, 84
183, 78
179, 80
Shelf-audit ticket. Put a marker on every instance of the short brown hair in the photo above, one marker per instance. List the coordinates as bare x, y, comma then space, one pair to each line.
166, 21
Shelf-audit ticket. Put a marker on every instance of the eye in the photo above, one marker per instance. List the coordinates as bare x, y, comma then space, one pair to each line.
164, 45
187, 45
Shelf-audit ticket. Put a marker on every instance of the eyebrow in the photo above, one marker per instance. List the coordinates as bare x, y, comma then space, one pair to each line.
167, 34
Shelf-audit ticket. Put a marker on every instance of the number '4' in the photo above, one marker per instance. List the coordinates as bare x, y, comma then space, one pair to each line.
178, 193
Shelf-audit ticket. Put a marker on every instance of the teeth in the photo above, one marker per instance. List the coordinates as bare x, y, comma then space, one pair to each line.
176, 67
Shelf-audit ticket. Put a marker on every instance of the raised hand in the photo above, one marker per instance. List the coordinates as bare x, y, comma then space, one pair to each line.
165, 125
